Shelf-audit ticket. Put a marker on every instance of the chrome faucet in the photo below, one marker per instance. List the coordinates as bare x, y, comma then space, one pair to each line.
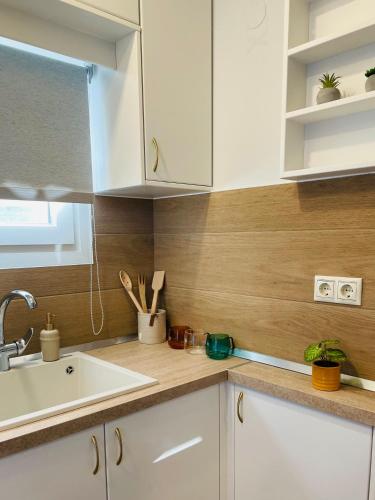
17, 347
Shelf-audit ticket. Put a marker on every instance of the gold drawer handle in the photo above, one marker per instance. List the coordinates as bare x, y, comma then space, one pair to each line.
95, 443
239, 401
156, 146
119, 438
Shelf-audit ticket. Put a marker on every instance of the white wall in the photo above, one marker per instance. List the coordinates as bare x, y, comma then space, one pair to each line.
248, 61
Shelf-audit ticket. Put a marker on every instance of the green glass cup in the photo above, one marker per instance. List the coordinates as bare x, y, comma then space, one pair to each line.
219, 345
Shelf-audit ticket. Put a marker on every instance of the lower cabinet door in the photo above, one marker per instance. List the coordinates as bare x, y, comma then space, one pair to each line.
284, 451
166, 452
61, 470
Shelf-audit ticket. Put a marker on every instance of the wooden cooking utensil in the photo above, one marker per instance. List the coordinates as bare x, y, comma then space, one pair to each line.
157, 285
142, 291
127, 284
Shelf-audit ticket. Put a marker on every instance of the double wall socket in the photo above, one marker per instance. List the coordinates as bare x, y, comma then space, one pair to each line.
340, 290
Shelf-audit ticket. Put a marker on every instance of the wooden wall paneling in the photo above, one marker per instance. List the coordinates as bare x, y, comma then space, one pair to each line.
278, 264
73, 317
244, 261
46, 280
123, 215
332, 204
132, 252
279, 328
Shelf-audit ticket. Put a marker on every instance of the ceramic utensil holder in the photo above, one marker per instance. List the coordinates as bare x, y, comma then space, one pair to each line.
155, 334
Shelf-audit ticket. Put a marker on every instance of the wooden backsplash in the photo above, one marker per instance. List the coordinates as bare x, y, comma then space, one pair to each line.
237, 261
243, 262
125, 240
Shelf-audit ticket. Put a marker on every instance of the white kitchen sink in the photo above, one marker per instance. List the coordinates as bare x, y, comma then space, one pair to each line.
33, 390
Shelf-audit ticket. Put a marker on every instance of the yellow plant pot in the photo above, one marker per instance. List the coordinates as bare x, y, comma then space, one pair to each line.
326, 375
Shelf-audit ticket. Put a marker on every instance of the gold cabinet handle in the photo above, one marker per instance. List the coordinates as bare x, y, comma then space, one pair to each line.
239, 401
119, 438
95, 443
156, 146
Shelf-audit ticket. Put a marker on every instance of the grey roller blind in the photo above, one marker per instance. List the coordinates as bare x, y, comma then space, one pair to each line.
44, 128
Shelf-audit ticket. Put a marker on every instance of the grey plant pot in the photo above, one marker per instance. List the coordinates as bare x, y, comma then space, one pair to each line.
370, 83
327, 95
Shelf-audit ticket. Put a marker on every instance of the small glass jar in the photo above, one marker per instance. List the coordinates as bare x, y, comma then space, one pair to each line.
195, 341
176, 336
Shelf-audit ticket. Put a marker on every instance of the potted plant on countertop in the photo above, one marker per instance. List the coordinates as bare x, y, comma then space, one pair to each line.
326, 361
328, 91
370, 82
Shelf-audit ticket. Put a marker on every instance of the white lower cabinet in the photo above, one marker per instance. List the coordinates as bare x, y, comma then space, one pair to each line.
169, 451
61, 470
284, 451
280, 451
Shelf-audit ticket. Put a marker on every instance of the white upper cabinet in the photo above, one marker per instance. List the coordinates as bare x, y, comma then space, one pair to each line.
167, 452
177, 81
126, 9
151, 118
289, 452
71, 468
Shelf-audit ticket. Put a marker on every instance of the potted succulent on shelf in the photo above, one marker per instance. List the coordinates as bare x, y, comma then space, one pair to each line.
326, 361
370, 82
328, 91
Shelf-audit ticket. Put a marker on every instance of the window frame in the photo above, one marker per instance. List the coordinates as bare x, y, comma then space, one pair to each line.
44, 253
59, 231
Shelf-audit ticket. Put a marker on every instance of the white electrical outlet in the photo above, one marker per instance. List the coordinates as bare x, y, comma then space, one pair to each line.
349, 291
324, 289
339, 290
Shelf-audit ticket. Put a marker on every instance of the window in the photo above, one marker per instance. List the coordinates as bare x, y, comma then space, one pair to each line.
45, 155
44, 129
40, 233
36, 223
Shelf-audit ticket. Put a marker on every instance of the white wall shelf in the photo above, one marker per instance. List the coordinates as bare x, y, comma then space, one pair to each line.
305, 174
336, 138
329, 46
334, 109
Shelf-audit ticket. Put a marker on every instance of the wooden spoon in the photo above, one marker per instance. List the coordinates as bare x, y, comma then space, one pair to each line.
127, 284
157, 285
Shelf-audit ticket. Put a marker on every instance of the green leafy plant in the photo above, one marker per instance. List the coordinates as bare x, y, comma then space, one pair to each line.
370, 72
322, 351
330, 81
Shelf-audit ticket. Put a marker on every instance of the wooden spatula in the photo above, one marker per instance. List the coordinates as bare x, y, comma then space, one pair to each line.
127, 284
157, 285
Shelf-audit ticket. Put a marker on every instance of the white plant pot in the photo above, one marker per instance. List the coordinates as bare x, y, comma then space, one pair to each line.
328, 95
370, 83
155, 334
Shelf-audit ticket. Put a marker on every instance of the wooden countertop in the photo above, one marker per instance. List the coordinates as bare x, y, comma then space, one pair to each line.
179, 373
349, 402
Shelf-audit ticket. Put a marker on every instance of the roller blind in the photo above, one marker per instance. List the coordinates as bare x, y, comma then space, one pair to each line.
44, 128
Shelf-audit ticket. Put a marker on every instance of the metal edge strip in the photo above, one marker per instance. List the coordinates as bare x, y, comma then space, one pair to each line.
362, 383
257, 357
89, 346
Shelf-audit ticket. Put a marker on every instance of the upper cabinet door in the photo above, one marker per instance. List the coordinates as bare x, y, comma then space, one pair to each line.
290, 452
70, 468
166, 452
126, 9
177, 85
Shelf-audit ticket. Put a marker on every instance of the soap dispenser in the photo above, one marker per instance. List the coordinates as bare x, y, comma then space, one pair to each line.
50, 340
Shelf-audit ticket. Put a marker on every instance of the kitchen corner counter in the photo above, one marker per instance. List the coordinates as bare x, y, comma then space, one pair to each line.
178, 373
349, 402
